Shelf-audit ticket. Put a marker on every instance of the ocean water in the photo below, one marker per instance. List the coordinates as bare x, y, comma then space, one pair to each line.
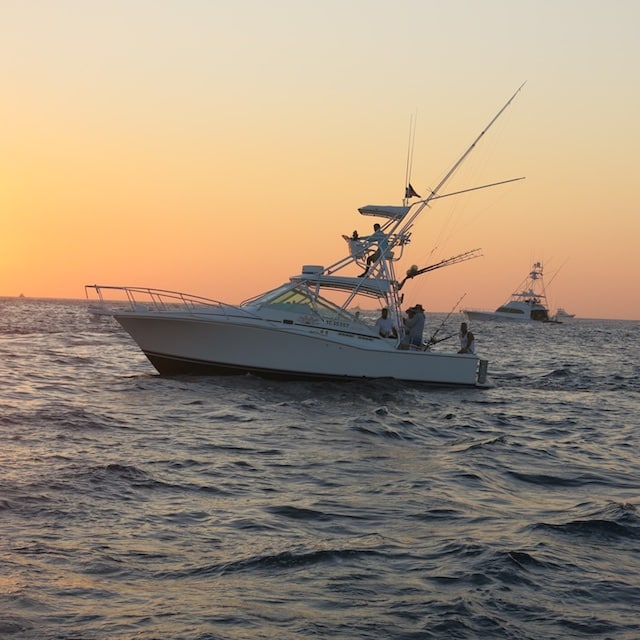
134, 506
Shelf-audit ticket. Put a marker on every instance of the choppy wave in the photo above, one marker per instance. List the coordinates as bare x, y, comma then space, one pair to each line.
139, 507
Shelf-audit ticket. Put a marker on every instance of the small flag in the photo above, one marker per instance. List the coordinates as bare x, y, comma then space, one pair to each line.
410, 192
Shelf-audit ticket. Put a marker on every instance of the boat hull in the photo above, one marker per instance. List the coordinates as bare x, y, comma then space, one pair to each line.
177, 344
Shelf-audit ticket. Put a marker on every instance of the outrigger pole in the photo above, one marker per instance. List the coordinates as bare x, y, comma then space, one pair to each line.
484, 186
434, 192
473, 144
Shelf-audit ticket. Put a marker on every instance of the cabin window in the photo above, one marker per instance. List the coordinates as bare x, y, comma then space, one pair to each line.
509, 310
539, 314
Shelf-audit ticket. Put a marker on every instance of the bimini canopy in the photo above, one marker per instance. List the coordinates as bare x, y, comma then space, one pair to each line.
366, 286
384, 211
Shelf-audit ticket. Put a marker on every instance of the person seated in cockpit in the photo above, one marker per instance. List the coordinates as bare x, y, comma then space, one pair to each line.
385, 325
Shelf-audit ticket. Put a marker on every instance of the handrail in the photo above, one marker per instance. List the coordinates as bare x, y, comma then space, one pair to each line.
150, 299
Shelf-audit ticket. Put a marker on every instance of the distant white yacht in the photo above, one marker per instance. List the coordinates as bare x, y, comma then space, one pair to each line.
527, 304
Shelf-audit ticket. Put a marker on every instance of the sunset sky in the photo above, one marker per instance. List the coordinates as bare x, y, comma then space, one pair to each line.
216, 146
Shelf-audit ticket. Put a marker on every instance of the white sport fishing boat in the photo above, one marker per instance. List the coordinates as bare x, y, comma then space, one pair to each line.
527, 304
307, 327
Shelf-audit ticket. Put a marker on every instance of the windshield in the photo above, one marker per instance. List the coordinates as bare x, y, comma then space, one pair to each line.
299, 299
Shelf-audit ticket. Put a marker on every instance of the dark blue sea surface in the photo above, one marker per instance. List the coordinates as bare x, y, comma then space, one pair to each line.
134, 506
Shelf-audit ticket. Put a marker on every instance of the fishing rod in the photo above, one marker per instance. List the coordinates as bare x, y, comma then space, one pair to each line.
439, 340
462, 257
432, 339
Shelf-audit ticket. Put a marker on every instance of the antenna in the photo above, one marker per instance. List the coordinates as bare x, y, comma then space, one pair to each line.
410, 147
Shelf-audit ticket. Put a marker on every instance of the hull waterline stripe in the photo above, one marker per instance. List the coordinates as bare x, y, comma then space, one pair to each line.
171, 365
